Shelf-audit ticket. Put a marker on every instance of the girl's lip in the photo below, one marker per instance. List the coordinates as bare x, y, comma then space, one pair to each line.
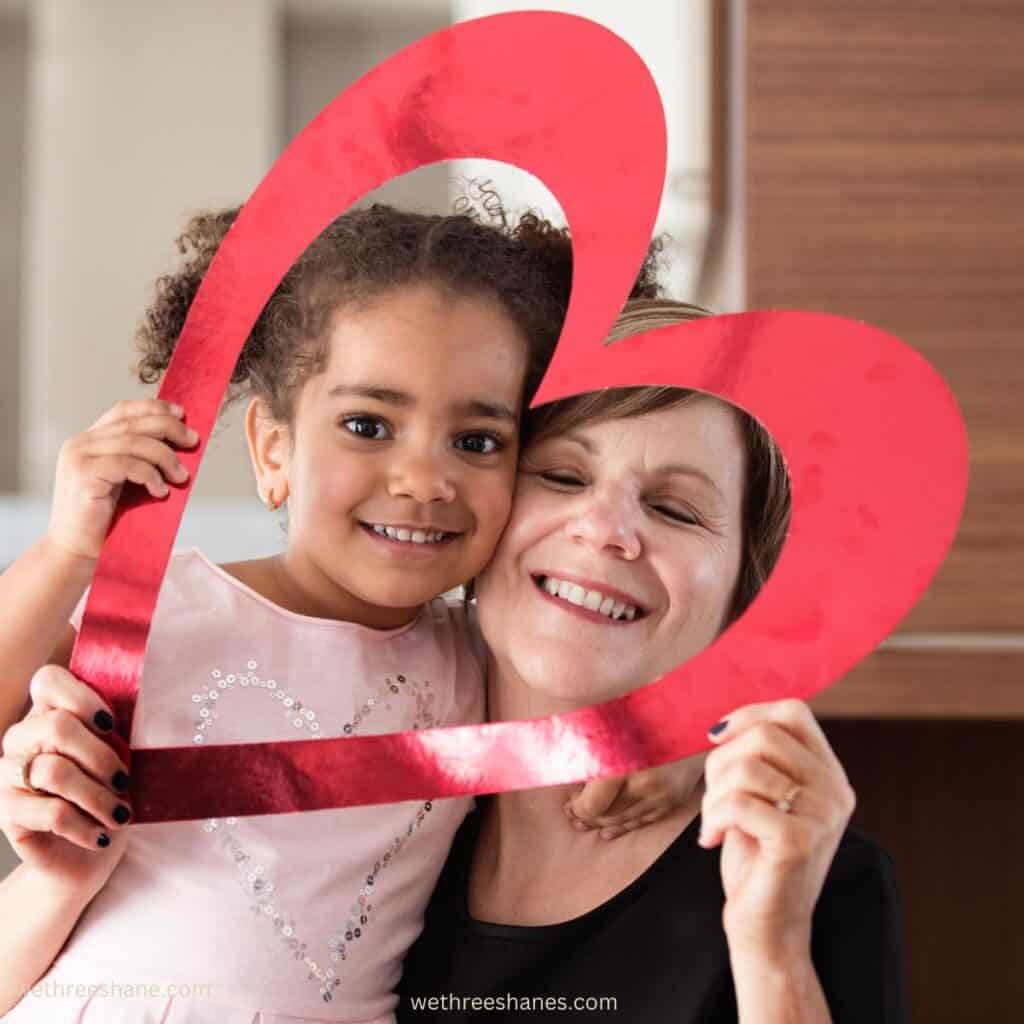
407, 547
583, 613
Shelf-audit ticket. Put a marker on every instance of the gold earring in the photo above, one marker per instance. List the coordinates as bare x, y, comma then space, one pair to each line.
269, 501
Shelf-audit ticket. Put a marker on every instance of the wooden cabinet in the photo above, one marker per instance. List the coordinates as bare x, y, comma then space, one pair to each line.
884, 180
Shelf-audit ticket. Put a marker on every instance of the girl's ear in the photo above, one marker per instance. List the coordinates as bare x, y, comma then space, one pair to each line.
269, 448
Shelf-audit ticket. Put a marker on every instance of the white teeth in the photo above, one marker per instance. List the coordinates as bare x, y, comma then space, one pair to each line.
412, 536
593, 600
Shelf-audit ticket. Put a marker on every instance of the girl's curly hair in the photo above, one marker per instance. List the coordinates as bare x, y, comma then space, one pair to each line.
526, 266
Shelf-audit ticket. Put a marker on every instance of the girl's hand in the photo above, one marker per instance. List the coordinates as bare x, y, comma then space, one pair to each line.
628, 802
62, 801
774, 862
127, 443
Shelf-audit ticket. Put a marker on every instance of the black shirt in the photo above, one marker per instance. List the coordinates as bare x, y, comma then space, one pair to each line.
657, 948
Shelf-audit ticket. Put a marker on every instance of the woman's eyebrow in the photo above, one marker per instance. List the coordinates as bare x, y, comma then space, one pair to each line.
673, 469
467, 406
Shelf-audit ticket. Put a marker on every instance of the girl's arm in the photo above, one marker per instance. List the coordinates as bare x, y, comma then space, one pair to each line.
38, 918
41, 589
38, 593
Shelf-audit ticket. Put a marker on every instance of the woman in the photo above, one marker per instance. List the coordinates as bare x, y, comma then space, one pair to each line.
529, 917
514, 912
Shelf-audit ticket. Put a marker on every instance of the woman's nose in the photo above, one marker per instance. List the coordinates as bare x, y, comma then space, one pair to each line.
421, 476
608, 521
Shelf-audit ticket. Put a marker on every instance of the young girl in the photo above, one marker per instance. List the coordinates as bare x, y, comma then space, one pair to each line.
387, 375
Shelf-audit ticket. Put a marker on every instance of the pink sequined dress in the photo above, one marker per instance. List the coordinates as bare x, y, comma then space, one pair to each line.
276, 919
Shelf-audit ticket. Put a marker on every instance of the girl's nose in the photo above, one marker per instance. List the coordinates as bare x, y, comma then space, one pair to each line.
421, 477
608, 521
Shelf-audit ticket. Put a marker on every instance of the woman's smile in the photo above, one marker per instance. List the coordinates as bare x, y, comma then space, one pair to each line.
599, 604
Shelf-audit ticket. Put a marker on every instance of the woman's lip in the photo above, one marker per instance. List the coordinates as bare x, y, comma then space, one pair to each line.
586, 584
581, 612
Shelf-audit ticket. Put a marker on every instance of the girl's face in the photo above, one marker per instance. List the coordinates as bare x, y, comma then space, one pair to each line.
412, 426
644, 511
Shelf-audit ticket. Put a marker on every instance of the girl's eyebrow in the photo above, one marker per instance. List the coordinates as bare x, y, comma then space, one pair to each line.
467, 406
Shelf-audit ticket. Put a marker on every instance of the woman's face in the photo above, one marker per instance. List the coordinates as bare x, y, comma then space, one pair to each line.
643, 512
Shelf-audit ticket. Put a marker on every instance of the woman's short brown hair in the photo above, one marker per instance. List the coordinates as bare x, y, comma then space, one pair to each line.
766, 503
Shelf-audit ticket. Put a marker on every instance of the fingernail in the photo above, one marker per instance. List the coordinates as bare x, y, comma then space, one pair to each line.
120, 781
177, 410
103, 720
104, 840
609, 833
121, 814
718, 727
580, 826
193, 435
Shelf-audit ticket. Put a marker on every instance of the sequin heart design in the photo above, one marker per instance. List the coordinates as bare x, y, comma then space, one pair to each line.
260, 886
872, 437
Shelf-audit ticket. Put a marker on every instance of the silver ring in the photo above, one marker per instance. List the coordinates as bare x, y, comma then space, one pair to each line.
786, 803
23, 769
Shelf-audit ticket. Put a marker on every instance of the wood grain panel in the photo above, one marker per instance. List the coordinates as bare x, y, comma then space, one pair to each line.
885, 176
917, 684
940, 797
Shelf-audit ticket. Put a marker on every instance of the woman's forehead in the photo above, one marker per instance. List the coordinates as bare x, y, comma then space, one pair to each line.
703, 428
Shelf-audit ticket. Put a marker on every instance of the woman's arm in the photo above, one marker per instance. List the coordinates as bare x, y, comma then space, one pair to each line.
778, 986
778, 802
38, 917
63, 808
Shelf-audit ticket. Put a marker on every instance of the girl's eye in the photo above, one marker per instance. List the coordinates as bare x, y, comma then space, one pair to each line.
679, 517
497, 443
362, 419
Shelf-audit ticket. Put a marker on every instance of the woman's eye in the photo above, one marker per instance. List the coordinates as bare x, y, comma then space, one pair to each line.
558, 478
480, 449
368, 435
679, 517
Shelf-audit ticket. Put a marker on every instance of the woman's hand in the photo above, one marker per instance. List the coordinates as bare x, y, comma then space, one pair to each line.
62, 788
127, 443
774, 861
627, 802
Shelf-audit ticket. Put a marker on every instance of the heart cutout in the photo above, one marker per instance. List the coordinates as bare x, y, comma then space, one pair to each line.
873, 439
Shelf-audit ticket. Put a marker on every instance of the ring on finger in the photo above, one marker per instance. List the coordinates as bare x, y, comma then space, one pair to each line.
23, 769
786, 803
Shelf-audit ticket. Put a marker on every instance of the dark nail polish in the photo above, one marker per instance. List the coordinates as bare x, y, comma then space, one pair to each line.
718, 727
104, 840
121, 814
120, 781
104, 720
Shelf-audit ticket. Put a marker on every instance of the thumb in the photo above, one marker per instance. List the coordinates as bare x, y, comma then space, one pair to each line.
596, 797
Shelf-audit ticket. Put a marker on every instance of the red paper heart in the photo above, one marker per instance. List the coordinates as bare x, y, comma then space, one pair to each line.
873, 439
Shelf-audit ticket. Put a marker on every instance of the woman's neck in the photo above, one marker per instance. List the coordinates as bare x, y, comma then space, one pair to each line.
528, 859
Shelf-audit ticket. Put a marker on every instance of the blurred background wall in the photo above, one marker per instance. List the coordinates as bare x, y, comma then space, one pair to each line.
864, 159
